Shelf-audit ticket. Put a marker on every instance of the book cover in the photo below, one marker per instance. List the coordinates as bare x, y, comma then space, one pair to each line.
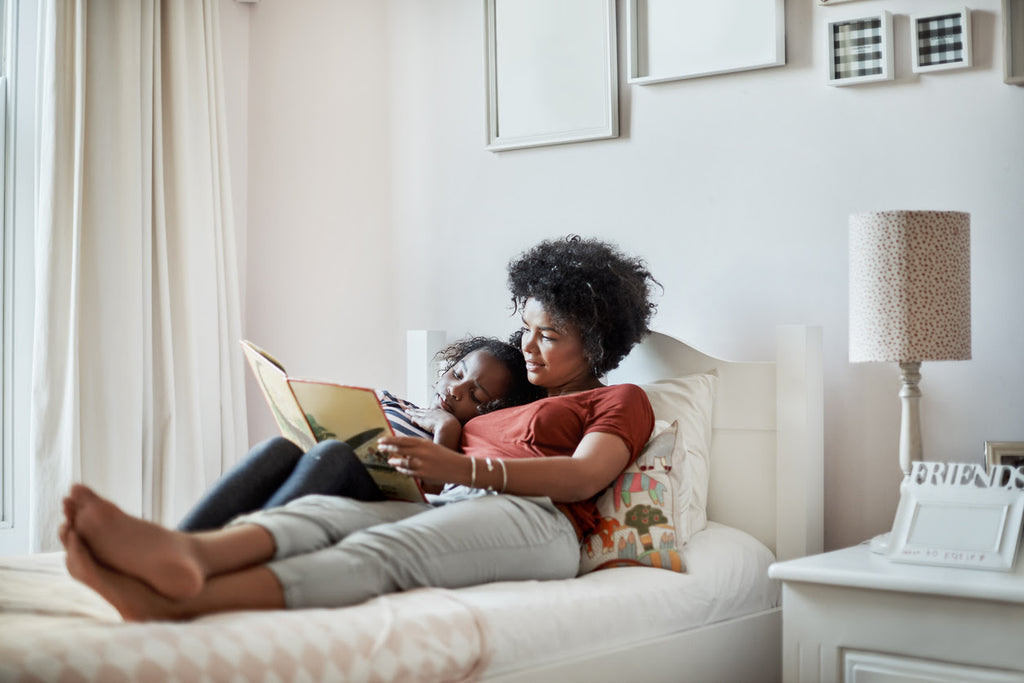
308, 411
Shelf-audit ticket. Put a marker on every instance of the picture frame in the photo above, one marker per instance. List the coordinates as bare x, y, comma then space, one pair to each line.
671, 40
941, 41
1004, 453
860, 49
552, 72
1013, 42
957, 526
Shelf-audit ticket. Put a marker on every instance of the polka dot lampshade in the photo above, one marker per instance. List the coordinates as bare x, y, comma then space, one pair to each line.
910, 286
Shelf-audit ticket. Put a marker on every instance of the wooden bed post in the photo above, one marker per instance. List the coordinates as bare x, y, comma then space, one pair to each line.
800, 442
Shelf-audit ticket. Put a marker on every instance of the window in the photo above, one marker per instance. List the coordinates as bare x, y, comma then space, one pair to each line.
6, 480
18, 41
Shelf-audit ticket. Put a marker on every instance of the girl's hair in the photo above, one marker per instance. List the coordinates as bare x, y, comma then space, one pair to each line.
520, 390
591, 286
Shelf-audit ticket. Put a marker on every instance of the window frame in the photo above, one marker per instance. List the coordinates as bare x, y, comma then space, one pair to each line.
21, 21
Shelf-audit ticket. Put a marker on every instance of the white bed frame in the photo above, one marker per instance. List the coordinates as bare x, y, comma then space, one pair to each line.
766, 479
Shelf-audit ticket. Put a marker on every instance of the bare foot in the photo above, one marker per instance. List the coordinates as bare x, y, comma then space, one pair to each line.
162, 558
133, 599
69, 521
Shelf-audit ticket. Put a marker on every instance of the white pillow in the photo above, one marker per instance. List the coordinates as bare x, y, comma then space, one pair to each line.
689, 401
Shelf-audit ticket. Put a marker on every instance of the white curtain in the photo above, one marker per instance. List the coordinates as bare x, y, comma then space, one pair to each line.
137, 377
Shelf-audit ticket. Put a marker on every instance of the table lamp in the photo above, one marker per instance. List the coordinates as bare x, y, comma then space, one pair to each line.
910, 299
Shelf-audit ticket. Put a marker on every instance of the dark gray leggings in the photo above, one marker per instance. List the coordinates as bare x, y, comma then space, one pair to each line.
275, 472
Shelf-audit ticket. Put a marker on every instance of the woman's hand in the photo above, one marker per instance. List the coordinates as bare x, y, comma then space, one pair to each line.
425, 460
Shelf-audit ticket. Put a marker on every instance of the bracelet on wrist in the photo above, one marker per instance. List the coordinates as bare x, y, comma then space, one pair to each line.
504, 475
490, 468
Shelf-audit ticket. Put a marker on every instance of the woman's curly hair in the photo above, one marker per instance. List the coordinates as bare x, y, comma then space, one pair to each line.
593, 287
520, 390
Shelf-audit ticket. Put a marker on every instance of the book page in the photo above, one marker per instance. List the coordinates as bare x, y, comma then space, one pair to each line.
354, 415
273, 382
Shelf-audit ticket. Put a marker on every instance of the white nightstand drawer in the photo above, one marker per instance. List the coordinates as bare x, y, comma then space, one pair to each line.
874, 667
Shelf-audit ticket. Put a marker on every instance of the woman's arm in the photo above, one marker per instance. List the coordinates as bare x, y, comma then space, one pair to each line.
591, 468
595, 463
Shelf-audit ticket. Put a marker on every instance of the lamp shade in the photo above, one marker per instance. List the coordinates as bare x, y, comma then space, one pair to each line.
910, 286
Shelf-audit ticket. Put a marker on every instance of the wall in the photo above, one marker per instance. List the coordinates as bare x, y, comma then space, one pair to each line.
373, 207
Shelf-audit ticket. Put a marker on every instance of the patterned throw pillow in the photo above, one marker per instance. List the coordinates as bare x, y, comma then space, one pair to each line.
638, 517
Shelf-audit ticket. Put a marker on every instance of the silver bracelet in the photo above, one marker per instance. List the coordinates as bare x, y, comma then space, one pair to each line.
504, 476
490, 468
472, 476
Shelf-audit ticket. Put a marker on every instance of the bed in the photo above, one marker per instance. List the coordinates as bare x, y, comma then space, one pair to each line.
718, 618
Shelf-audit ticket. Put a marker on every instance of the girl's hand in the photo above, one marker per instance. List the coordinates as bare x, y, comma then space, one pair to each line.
431, 419
445, 427
425, 460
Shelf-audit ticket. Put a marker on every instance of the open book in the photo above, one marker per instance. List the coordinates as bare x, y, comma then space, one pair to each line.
308, 411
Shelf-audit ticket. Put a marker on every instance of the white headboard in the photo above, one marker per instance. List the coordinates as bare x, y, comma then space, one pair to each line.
767, 473
767, 447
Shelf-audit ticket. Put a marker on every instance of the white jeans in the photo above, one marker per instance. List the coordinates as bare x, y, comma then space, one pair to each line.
334, 551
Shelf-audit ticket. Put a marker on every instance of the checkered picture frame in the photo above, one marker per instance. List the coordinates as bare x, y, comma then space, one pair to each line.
941, 41
860, 50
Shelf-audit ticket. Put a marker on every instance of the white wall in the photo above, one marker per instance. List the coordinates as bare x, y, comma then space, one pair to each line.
366, 163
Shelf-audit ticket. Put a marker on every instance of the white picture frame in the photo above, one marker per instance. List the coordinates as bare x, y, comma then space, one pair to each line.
941, 40
859, 49
957, 526
671, 40
1010, 453
1013, 42
552, 72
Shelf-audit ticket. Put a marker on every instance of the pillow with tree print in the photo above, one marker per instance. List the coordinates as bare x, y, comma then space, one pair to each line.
637, 526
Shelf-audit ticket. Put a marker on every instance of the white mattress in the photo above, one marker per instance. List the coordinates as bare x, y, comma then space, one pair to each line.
56, 629
534, 623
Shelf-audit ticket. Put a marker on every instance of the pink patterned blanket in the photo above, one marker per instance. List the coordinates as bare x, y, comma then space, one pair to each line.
54, 629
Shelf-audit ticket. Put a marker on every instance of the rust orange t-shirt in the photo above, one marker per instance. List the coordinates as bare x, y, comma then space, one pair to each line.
556, 425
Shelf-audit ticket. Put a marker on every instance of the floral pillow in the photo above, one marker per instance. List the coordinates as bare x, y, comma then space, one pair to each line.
638, 516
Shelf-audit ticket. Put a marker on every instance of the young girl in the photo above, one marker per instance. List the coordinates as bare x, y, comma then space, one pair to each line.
584, 305
481, 374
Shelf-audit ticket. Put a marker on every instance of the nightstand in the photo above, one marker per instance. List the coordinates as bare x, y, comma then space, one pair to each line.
851, 615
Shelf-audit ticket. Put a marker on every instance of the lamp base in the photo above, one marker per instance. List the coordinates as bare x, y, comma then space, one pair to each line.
880, 544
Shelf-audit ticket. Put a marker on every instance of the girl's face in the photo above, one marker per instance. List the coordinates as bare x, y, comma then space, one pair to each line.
554, 353
475, 380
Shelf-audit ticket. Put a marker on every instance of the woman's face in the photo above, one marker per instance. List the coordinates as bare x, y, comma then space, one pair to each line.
478, 378
554, 353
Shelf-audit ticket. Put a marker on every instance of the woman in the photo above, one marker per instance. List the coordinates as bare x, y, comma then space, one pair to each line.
584, 305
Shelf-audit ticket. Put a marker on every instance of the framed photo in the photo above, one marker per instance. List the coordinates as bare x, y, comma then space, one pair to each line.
941, 41
957, 526
1009, 453
552, 72
671, 40
1013, 42
860, 50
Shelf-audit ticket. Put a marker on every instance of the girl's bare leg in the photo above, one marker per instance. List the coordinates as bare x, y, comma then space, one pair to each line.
173, 564
135, 600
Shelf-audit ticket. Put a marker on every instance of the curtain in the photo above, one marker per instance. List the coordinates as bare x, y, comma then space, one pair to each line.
137, 377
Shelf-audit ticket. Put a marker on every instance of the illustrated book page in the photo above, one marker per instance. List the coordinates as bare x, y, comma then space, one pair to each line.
308, 411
